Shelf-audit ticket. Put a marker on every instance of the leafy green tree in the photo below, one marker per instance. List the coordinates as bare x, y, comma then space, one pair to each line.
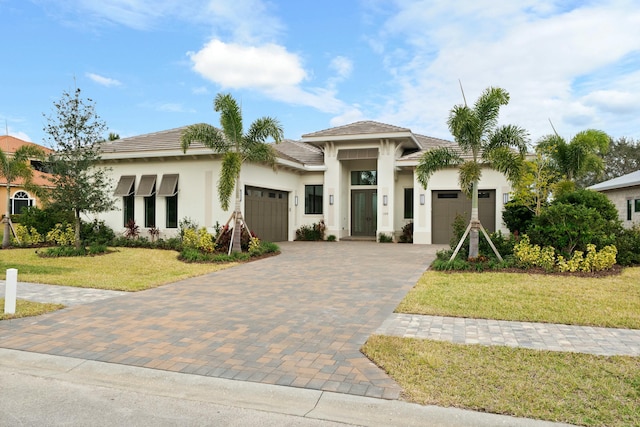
482, 143
536, 184
623, 157
235, 147
13, 167
75, 131
578, 157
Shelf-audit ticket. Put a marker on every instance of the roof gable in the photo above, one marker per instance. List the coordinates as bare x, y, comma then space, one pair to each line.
9, 144
358, 128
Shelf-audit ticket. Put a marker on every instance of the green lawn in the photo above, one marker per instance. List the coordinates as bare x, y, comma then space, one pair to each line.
566, 387
612, 301
562, 387
28, 308
124, 269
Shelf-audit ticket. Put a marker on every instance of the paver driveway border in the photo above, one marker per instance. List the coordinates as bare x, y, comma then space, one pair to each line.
298, 319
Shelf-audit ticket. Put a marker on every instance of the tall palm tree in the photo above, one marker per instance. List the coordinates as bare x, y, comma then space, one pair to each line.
236, 147
481, 142
15, 166
583, 154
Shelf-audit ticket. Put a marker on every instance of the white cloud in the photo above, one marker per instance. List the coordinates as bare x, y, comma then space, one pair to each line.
236, 66
201, 90
566, 65
104, 81
342, 66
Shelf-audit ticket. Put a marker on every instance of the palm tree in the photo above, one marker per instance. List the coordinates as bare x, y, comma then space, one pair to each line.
578, 157
15, 166
236, 147
481, 142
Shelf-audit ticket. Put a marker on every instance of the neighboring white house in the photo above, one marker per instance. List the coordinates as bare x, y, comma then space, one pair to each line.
358, 178
624, 192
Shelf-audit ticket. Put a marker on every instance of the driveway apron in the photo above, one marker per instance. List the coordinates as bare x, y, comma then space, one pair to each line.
297, 319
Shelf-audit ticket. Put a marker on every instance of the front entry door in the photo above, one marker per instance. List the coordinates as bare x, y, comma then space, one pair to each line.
364, 212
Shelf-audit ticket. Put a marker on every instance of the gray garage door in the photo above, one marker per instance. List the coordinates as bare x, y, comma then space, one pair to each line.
266, 212
447, 204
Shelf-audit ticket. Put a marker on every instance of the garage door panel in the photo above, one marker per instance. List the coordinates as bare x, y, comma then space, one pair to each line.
266, 213
447, 204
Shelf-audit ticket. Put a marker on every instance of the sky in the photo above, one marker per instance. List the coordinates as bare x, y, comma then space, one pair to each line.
155, 65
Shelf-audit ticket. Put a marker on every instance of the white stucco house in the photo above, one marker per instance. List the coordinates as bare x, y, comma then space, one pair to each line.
624, 192
358, 178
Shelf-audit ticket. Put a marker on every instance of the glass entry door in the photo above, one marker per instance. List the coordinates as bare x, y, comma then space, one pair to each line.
364, 212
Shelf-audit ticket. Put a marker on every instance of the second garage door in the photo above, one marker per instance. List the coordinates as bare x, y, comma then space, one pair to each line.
447, 204
266, 211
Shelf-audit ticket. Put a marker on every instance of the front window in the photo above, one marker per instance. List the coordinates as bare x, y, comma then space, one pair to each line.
313, 199
129, 203
150, 209
408, 203
172, 211
364, 177
20, 202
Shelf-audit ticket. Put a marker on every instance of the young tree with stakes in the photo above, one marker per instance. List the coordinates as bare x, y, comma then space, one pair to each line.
75, 132
483, 143
235, 147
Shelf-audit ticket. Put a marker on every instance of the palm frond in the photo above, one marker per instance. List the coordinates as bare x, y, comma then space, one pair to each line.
231, 164
509, 136
487, 107
469, 172
507, 162
205, 134
263, 128
434, 160
230, 117
260, 152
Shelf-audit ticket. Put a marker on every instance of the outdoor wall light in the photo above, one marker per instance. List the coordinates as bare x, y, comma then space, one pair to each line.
422, 199
505, 198
385, 200
331, 199
295, 200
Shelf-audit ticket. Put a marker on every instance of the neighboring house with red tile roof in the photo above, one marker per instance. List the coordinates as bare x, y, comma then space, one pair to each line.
358, 178
21, 197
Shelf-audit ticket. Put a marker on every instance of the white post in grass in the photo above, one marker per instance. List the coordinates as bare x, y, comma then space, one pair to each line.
10, 291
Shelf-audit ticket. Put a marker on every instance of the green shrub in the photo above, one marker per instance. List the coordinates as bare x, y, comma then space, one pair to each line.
200, 240
224, 240
570, 228
384, 238
407, 233
517, 217
26, 237
44, 220
62, 251
311, 232
96, 232
331, 238
62, 235
628, 245
528, 255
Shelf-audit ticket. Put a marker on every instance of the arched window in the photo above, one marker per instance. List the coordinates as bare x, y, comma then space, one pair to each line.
20, 201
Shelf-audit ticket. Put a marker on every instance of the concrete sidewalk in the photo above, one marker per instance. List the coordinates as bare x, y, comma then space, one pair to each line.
43, 389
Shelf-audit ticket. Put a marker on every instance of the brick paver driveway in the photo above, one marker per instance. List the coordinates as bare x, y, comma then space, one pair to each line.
297, 319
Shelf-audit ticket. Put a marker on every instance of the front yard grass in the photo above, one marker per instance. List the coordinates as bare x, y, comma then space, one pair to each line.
611, 301
124, 269
573, 388
28, 308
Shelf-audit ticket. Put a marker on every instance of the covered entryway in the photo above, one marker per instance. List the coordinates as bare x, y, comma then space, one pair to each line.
266, 211
447, 204
364, 212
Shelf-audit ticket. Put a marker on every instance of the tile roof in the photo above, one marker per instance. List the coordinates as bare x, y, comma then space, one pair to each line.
357, 128
300, 152
629, 180
156, 141
9, 144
